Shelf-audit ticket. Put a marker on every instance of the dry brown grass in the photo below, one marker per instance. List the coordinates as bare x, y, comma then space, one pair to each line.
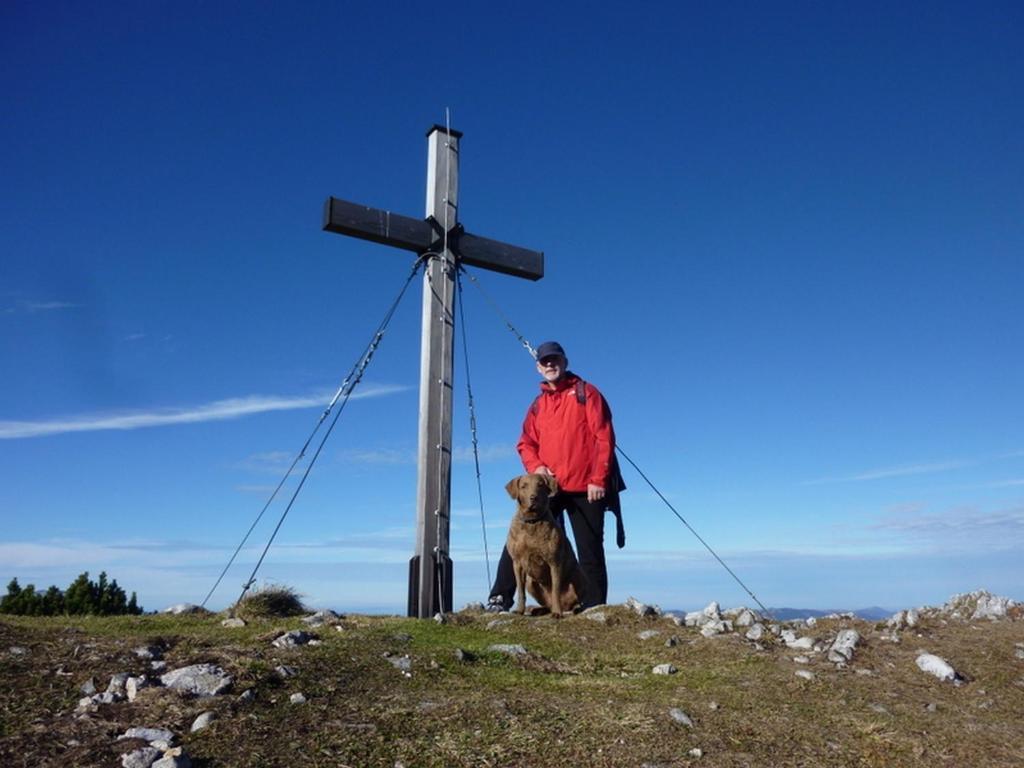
584, 695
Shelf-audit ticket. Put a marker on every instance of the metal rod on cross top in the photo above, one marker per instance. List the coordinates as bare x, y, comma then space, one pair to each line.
441, 236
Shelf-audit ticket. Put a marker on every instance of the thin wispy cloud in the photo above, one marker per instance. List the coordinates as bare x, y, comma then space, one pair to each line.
218, 410
397, 456
901, 470
958, 529
29, 307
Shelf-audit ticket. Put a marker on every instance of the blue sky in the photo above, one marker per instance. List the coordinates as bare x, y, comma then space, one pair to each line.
784, 241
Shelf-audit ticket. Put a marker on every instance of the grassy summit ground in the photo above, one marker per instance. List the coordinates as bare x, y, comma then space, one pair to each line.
583, 695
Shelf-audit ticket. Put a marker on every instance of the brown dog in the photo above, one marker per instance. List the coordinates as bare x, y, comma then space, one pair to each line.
543, 561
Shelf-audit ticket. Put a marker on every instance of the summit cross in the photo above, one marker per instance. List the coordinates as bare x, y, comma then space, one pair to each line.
441, 237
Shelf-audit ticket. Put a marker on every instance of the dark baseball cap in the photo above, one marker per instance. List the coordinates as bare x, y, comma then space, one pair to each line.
550, 348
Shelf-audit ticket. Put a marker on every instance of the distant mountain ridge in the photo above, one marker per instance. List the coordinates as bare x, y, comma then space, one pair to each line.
874, 613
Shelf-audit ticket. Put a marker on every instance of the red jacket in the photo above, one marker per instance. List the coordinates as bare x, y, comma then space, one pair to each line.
574, 440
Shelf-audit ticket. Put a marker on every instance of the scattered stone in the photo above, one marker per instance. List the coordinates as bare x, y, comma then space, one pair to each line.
89, 686
293, 639
672, 642
136, 684
801, 644
140, 758
174, 758
149, 652
664, 669
473, 607
17, 650
755, 633
247, 695
716, 627
511, 650
494, 624
810, 621
696, 752
806, 674
647, 634
599, 616
117, 684
801, 660
233, 622
1019, 653
297, 698
203, 721
198, 680
158, 666
939, 667
979, 604
879, 709
931, 707
148, 734
464, 656
842, 648
402, 637
680, 717
714, 706
320, 618
285, 671
182, 608
746, 618
401, 663
642, 609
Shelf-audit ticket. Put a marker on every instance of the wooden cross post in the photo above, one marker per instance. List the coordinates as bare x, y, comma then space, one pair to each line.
443, 239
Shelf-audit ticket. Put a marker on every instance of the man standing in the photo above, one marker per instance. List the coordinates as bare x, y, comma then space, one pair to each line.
568, 434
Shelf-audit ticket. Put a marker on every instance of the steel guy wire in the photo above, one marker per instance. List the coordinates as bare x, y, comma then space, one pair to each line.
690, 527
343, 393
472, 428
707, 546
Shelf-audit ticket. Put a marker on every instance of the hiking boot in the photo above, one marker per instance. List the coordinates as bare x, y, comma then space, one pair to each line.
496, 604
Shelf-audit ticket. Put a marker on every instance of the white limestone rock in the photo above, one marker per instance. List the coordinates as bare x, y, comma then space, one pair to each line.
202, 721
198, 680
746, 618
318, 619
939, 667
136, 684
844, 645
297, 698
801, 644
979, 604
756, 632
233, 622
647, 634
680, 717
294, 639
664, 669
148, 734
174, 758
806, 674
642, 609
140, 758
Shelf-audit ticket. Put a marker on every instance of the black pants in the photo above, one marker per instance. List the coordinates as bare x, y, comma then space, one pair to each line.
587, 521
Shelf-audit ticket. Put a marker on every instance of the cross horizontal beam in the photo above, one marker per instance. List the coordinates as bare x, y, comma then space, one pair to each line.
421, 235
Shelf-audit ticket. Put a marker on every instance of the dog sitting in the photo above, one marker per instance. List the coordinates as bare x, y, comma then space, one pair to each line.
544, 563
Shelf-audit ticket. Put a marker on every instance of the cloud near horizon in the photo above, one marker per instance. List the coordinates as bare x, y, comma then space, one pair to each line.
218, 410
896, 471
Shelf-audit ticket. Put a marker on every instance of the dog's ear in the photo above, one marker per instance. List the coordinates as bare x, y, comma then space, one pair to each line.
512, 487
552, 484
